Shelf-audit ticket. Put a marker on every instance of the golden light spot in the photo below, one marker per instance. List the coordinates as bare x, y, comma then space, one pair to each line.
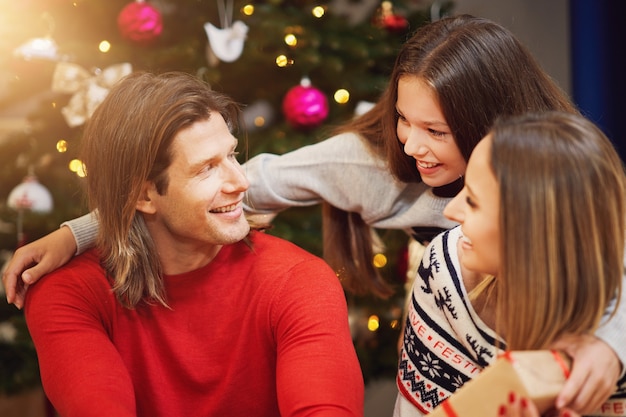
379, 260
342, 96
318, 11
77, 166
259, 121
62, 146
291, 40
373, 323
104, 46
282, 61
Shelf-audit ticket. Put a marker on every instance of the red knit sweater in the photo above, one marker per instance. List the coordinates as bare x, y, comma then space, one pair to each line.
261, 332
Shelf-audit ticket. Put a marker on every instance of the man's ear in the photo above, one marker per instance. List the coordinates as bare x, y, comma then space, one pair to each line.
145, 202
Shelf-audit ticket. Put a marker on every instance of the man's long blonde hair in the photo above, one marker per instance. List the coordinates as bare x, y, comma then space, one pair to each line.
127, 142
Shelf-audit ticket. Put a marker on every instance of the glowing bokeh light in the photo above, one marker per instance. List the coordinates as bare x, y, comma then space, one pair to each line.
318, 11
283, 61
342, 96
77, 166
291, 40
248, 9
379, 260
62, 146
104, 46
373, 323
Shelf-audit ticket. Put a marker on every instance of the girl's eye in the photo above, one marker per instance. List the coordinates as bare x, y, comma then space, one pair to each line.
470, 202
233, 155
400, 117
437, 133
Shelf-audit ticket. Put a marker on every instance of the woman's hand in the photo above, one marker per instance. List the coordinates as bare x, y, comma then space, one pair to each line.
523, 407
30, 262
518, 407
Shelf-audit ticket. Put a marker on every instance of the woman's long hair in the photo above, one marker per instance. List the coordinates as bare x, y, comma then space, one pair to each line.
562, 225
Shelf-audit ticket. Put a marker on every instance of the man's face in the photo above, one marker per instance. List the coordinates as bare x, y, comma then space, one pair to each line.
201, 206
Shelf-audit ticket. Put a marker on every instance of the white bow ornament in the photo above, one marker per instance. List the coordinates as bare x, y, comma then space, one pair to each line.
89, 90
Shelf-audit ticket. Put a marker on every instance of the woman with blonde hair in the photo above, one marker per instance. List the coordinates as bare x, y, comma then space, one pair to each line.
538, 255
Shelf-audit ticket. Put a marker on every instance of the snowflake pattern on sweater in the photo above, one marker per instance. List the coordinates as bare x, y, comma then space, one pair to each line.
435, 361
445, 342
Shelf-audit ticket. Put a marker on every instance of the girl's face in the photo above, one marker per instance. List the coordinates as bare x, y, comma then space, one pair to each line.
477, 209
425, 134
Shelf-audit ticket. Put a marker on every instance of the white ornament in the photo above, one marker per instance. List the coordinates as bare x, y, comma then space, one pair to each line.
88, 90
363, 107
30, 195
227, 43
42, 48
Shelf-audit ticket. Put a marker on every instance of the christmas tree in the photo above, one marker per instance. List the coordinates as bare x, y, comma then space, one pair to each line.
59, 57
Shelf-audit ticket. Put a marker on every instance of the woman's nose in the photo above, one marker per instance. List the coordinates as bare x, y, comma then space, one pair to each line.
455, 208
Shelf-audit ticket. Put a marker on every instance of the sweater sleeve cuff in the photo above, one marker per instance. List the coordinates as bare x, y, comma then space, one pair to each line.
85, 230
611, 332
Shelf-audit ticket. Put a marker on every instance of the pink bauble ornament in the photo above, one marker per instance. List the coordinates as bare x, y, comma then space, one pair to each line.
304, 106
140, 22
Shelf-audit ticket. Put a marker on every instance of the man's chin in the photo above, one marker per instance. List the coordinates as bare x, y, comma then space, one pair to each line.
238, 232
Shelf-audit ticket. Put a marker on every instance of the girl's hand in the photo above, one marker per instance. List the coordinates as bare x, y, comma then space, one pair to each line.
31, 262
593, 378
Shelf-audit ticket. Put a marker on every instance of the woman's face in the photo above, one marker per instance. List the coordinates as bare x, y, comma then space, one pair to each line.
425, 134
477, 209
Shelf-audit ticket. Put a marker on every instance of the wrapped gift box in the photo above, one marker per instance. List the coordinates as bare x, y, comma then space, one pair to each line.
537, 375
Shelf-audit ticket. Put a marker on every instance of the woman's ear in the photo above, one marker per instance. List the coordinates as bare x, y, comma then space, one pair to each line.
144, 202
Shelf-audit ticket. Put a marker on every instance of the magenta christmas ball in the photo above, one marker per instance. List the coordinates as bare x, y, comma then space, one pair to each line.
305, 107
140, 22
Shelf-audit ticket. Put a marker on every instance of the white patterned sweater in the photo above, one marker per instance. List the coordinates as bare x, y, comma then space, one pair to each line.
445, 342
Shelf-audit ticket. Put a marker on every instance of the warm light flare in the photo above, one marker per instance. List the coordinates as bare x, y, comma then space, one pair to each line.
373, 323
104, 46
318, 11
291, 39
62, 146
342, 96
379, 260
248, 9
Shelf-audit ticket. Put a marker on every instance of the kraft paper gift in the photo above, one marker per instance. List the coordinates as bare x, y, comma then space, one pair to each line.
537, 375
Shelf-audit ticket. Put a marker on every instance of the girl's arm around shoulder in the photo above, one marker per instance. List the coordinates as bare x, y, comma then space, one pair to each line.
612, 330
32, 261
340, 170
